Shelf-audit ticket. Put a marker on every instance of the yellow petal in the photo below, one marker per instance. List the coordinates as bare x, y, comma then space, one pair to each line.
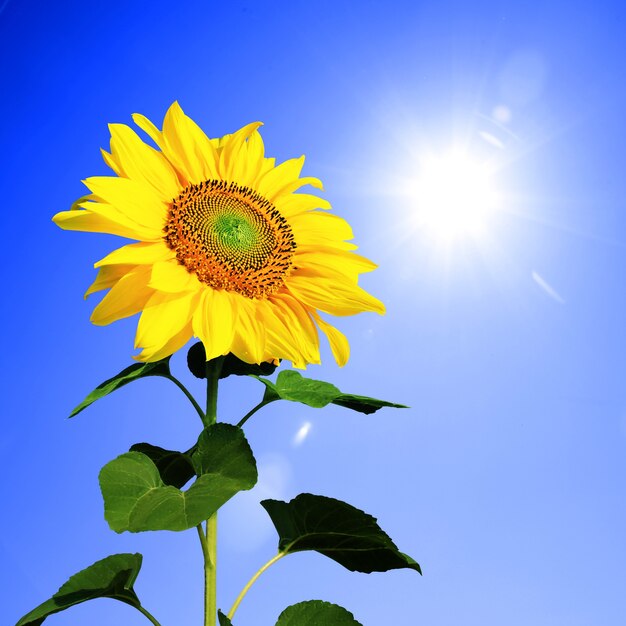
249, 337
86, 201
267, 165
296, 203
327, 258
297, 318
188, 147
331, 296
126, 297
255, 157
112, 162
149, 355
96, 217
233, 164
315, 227
296, 184
337, 340
136, 200
280, 176
280, 340
149, 128
163, 318
316, 271
143, 163
107, 277
138, 254
172, 277
214, 322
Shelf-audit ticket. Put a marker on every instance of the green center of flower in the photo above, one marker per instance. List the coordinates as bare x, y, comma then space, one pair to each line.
231, 238
236, 233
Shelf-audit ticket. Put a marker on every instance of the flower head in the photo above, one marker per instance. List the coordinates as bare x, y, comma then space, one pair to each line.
226, 250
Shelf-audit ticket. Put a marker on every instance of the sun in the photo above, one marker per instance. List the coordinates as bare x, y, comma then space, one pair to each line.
455, 196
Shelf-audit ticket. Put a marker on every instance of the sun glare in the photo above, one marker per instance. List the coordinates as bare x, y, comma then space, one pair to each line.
455, 196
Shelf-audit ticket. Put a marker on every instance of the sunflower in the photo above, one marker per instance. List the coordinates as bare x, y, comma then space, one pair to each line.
226, 250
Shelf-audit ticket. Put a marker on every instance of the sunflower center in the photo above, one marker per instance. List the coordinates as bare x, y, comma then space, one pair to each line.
230, 237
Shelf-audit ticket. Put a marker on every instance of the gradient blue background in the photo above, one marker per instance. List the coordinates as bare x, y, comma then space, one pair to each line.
505, 479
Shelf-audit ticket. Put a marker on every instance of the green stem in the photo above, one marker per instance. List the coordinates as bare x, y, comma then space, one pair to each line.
252, 411
211, 597
251, 582
213, 369
148, 615
209, 538
189, 396
209, 600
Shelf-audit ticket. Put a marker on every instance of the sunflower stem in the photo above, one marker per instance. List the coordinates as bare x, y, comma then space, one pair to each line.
208, 537
213, 369
148, 615
251, 582
252, 411
209, 604
191, 399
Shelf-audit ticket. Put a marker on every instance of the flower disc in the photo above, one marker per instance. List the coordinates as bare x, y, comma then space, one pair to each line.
231, 238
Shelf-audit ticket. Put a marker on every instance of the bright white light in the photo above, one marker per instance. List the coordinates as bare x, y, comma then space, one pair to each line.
302, 433
455, 196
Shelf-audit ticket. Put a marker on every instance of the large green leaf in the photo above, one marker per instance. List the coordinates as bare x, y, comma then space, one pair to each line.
223, 448
137, 499
134, 372
112, 577
316, 613
231, 365
337, 530
291, 385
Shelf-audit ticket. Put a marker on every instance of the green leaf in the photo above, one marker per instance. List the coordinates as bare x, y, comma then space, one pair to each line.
315, 613
231, 366
112, 577
130, 374
223, 448
137, 499
291, 385
223, 620
363, 404
337, 530
175, 468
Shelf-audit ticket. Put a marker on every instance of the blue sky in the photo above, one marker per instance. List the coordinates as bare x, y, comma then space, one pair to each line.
505, 479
